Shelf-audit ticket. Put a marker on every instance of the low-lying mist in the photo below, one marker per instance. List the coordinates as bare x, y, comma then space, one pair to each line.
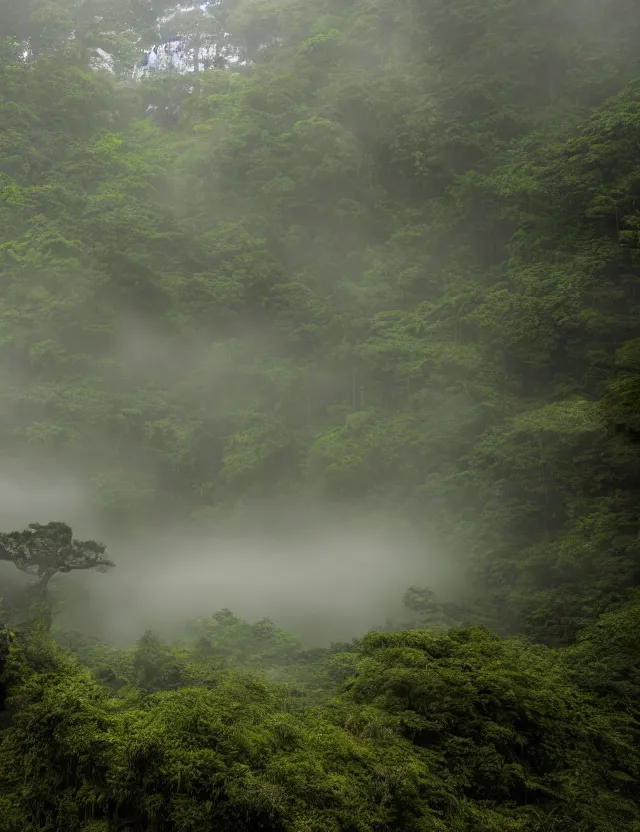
325, 573
326, 580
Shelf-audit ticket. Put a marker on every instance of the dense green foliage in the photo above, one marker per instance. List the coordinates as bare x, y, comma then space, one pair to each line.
432, 732
390, 257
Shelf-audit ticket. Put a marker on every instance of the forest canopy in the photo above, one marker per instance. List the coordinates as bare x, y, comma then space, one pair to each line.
380, 257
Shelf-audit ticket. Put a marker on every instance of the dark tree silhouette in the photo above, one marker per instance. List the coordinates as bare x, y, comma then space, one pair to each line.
44, 550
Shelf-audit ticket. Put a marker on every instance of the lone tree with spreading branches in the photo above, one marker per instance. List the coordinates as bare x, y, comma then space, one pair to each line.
47, 550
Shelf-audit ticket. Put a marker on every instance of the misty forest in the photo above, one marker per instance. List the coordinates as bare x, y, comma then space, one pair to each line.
320, 416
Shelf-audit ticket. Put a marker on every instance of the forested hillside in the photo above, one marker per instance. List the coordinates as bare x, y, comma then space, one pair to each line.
378, 256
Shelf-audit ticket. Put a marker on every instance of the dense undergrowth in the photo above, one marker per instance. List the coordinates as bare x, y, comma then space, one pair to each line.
389, 258
418, 730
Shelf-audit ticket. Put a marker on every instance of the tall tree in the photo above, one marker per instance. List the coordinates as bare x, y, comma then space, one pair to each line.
47, 550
